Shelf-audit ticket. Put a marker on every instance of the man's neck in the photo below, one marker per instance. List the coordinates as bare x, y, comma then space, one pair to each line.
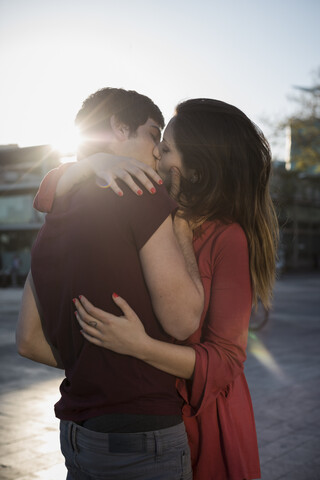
87, 150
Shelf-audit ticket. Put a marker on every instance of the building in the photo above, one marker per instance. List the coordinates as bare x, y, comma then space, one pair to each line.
296, 196
21, 171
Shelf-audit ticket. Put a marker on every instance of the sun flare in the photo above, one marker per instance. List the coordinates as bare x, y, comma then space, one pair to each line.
66, 143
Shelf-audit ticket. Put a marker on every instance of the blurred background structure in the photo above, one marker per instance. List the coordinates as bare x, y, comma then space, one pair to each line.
296, 183
21, 171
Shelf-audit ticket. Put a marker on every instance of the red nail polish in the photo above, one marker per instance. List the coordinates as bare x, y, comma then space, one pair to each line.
160, 182
80, 296
139, 192
153, 190
120, 194
115, 295
74, 300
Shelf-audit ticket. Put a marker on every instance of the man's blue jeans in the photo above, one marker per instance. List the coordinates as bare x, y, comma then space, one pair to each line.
159, 455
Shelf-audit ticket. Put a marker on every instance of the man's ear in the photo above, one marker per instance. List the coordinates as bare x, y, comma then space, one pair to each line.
119, 129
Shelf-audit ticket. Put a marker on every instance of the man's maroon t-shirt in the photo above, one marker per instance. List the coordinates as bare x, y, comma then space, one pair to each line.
89, 245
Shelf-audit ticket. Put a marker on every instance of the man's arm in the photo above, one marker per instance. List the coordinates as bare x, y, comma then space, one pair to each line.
30, 339
175, 286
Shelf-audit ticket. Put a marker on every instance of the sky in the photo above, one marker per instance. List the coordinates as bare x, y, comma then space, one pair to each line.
54, 53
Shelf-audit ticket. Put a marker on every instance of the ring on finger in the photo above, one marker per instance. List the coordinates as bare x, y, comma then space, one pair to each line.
93, 324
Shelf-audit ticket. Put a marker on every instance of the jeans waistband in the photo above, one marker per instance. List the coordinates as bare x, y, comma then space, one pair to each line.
128, 423
155, 441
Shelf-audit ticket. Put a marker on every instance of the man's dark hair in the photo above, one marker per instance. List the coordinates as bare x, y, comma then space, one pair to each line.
129, 107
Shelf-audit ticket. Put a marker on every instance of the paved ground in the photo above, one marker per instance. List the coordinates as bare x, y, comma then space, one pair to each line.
282, 371
29, 444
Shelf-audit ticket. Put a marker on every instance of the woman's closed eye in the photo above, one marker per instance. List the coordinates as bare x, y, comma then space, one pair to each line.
163, 148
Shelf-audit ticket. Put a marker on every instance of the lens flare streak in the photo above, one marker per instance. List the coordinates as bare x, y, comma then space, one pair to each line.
262, 354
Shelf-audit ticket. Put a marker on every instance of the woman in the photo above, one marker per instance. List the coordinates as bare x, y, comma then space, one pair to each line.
223, 162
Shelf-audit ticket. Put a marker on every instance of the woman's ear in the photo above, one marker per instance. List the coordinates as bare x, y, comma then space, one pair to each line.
119, 129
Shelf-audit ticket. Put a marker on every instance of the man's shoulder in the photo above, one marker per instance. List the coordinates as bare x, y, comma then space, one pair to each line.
146, 202
94, 202
96, 188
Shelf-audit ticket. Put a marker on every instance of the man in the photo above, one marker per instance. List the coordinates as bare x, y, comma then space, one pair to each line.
94, 243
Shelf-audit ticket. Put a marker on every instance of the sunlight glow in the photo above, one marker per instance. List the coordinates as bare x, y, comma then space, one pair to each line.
38, 454
66, 143
262, 354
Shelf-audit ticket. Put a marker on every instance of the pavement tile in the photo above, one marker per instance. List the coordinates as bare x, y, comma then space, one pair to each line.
276, 469
293, 466
8, 473
303, 472
277, 431
304, 453
56, 472
29, 441
34, 464
51, 443
294, 442
300, 423
17, 445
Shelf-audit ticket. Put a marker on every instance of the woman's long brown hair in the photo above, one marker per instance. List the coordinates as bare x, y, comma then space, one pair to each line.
230, 161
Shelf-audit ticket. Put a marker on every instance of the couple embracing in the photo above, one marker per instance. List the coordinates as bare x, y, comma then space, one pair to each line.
144, 297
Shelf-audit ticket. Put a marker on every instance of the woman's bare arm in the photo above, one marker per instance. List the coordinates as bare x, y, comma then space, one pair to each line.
126, 335
175, 289
108, 168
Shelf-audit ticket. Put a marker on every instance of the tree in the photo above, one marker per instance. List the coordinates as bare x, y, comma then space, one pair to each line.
308, 99
304, 128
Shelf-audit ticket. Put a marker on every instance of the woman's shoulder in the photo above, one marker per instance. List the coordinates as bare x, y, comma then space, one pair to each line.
220, 244
218, 240
218, 231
